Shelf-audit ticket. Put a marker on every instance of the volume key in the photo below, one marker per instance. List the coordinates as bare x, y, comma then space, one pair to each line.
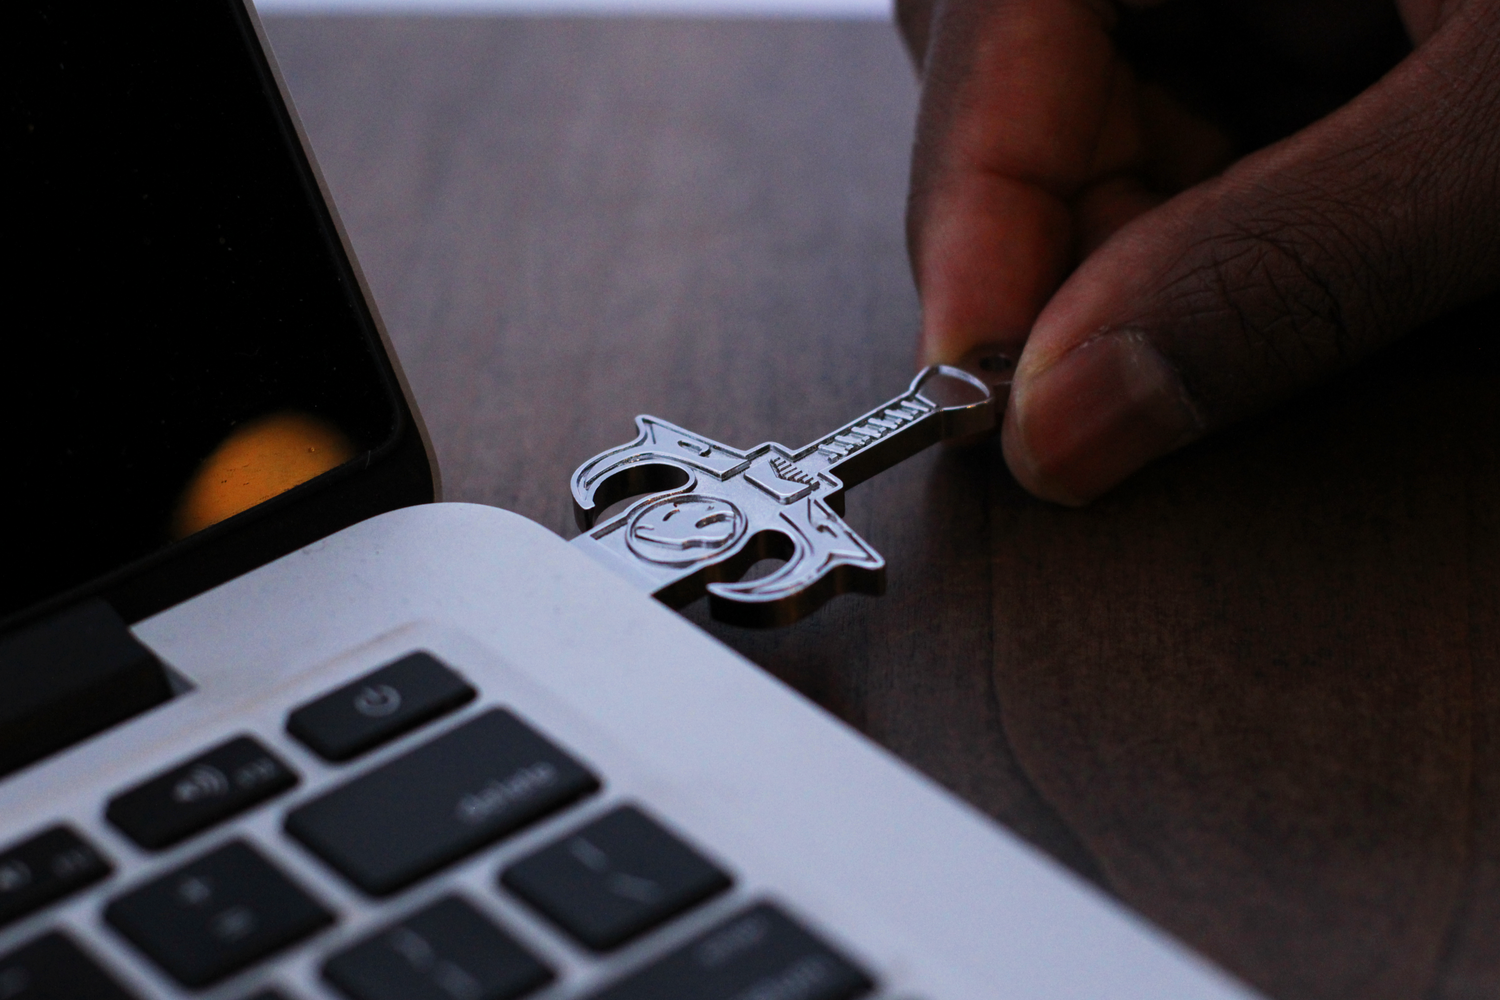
198, 793
45, 868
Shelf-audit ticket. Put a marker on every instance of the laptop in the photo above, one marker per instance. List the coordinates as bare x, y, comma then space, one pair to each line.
278, 725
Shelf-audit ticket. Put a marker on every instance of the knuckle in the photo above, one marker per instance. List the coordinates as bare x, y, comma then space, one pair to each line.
1279, 301
1378, 220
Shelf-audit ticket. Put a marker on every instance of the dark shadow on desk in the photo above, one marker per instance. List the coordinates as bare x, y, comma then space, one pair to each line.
1259, 680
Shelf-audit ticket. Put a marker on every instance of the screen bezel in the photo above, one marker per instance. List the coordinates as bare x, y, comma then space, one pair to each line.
400, 472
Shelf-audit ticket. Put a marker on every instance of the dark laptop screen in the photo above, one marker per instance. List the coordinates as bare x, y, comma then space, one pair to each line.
185, 337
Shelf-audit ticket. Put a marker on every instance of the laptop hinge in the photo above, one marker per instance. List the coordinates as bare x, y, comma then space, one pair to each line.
69, 676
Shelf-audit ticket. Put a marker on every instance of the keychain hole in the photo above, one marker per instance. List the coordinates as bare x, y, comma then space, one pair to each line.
991, 365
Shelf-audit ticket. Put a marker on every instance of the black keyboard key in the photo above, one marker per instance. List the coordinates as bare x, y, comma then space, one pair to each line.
760, 953
54, 968
449, 951
615, 879
378, 707
268, 995
195, 795
442, 801
216, 915
53, 864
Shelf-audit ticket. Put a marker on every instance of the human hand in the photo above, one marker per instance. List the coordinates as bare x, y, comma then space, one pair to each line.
1160, 286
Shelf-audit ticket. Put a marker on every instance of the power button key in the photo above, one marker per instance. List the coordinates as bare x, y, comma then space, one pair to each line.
378, 707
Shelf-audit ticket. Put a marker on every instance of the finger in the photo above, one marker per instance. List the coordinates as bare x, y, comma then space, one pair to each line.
912, 19
1023, 104
1295, 263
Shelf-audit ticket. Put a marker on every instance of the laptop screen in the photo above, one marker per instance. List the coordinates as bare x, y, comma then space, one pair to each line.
187, 341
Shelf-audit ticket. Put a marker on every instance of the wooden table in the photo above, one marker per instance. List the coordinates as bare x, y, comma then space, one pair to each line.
1255, 693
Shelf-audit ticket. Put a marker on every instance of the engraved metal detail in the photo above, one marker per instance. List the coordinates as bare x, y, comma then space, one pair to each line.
789, 471
680, 531
727, 509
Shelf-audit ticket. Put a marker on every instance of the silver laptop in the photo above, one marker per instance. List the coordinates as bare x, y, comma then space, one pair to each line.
275, 724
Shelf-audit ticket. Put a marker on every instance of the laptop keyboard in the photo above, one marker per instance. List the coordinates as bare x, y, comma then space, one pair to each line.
609, 882
54, 966
447, 950
379, 707
615, 879
50, 866
463, 791
216, 915
200, 793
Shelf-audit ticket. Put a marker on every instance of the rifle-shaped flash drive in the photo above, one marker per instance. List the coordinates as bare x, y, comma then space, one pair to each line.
713, 511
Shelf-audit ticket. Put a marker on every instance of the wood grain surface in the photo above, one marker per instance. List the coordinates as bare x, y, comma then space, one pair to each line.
1254, 693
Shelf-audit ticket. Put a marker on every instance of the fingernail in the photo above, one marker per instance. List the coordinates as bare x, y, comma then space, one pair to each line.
1093, 417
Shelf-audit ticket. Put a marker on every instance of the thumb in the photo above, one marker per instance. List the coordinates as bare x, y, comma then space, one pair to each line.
1298, 261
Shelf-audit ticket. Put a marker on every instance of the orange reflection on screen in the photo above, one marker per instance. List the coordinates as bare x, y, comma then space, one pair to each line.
254, 463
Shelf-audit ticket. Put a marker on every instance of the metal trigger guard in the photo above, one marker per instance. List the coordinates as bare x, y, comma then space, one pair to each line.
710, 511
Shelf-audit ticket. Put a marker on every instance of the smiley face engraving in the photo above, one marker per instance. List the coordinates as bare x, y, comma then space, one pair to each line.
685, 529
